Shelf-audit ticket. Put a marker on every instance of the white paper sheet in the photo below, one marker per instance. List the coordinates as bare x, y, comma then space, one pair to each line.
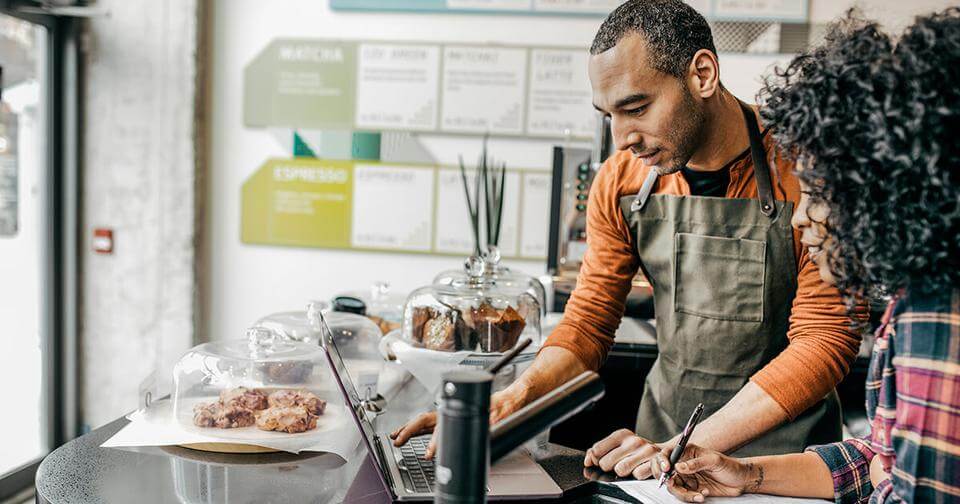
156, 426
647, 492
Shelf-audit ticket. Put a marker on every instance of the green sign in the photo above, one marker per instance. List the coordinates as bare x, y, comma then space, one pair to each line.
303, 84
368, 205
300, 202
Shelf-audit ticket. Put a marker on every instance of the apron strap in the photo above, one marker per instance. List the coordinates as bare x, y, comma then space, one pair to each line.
761, 168
645, 190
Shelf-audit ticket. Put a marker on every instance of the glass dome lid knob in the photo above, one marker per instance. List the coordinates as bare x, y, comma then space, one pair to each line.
492, 257
261, 341
475, 267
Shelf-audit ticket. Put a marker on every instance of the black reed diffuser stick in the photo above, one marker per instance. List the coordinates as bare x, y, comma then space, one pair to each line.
491, 179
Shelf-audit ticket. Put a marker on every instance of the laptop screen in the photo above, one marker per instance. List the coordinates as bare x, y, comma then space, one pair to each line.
349, 391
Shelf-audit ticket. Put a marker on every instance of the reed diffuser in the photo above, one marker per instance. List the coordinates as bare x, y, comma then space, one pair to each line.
487, 199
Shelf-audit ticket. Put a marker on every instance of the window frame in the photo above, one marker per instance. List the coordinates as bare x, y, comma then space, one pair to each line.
60, 263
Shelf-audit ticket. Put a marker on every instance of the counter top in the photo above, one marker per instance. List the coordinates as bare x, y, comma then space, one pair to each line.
83, 472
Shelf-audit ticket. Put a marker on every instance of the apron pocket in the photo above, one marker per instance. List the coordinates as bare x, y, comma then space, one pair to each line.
719, 278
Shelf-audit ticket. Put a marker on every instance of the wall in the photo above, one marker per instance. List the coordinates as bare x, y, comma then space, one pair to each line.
244, 282
138, 179
893, 15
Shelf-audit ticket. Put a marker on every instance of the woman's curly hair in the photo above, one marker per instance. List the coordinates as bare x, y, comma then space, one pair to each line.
876, 127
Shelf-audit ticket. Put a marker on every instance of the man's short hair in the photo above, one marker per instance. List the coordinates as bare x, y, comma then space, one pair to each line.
673, 30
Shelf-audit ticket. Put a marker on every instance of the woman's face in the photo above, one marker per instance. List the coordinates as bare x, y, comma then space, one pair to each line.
810, 218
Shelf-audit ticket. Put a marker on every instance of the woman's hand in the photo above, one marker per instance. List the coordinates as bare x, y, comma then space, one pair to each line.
877, 472
702, 472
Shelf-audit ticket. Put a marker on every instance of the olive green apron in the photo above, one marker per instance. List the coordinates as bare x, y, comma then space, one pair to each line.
724, 277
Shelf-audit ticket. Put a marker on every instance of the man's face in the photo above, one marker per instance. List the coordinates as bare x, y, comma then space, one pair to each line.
653, 114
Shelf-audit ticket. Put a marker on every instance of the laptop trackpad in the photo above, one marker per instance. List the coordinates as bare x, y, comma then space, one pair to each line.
519, 474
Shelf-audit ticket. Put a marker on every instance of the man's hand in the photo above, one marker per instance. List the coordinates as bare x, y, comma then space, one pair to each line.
702, 472
502, 404
624, 453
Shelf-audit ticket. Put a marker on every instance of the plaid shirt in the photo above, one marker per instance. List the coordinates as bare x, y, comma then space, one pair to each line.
913, 403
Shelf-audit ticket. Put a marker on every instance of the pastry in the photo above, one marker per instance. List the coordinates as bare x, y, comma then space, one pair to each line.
497, 330
292, 419
289, 398
283, 410
438, 334
242, 397
222, 417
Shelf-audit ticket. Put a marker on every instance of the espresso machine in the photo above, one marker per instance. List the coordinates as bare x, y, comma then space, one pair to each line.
574, 169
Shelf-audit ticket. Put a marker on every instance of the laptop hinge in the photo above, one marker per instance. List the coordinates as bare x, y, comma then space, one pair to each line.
382, 461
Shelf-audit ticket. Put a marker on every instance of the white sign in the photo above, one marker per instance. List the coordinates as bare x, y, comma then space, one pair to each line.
499, 5
535, 214
760, 9
589, 6
701, 6
454, 231
403, 193
483, 89
397, 86
559, 102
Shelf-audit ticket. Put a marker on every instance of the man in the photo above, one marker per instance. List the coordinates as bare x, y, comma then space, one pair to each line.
744, 323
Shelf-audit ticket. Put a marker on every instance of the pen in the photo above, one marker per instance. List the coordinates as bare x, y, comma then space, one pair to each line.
682, 444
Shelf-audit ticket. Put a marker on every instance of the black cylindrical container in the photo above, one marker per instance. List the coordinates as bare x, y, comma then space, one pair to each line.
464, 456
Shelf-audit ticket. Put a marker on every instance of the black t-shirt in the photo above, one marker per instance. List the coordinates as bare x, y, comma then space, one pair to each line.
708, 183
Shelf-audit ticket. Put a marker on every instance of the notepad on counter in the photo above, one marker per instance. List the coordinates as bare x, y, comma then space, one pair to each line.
646, 491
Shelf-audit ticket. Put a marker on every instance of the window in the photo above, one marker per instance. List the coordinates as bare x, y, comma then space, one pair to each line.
38, 69
23, 217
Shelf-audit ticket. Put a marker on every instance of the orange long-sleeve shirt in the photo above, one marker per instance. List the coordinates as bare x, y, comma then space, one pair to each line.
822, 344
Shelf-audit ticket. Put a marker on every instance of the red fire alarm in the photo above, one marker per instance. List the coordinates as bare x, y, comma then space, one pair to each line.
103, 241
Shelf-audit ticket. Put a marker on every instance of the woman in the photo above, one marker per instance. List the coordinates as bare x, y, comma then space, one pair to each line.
874, 129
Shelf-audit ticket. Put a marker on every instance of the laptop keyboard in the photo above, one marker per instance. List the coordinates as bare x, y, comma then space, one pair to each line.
421, 470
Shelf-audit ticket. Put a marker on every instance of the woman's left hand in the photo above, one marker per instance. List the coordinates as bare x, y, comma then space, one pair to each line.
703, 472
877, 473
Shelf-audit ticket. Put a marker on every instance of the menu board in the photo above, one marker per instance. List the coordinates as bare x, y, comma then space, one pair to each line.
497, 5
398, 191
759, 9
454, 232
388, 71
560, 100
483, 89
578, 6
536, 197
301, 83
385, 86
343, 204
733, 10
298, 202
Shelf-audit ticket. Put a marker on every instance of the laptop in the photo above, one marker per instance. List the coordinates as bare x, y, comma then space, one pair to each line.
410, 477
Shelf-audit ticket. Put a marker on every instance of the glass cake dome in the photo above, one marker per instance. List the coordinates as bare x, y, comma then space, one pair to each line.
356, 336
263, 382
506, 279
471, 312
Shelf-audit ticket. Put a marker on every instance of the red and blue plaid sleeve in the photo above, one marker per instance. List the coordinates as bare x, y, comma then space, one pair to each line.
849, 463
925, 436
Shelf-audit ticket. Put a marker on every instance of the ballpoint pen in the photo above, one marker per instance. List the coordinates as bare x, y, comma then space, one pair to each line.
682, 444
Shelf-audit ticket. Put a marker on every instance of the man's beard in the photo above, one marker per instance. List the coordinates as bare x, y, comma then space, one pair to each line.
686, 134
